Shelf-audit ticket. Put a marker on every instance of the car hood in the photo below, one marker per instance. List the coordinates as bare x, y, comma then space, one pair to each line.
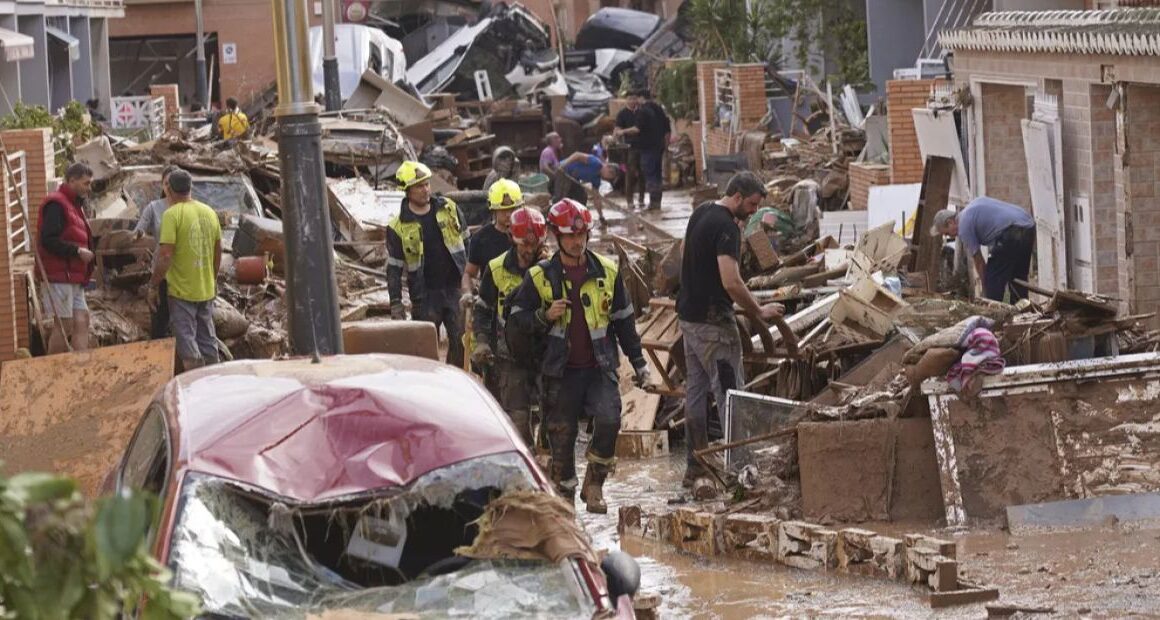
345, 425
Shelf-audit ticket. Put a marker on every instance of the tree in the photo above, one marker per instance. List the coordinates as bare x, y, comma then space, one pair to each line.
62, 558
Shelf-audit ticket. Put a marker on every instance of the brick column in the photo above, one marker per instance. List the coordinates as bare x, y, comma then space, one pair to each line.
20, 291
749, 84
168, 92
863, 176
902, 96
40, 162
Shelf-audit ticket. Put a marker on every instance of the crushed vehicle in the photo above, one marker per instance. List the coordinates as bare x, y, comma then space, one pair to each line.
370, 483
509, 38
613, 41
230, 195
357, 48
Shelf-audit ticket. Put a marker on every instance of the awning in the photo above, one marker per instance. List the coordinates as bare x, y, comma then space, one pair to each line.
66, 39
16, 46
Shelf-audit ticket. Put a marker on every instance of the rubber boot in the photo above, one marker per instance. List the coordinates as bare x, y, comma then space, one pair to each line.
654, 201
565, 488
592, 492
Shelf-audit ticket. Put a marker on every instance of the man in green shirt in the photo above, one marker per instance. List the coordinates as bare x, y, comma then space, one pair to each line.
188, 260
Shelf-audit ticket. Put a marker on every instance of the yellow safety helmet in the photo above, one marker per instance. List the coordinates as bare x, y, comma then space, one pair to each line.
412, 173
504, 188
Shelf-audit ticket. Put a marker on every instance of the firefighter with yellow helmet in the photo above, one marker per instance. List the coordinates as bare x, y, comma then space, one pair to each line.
576, 300
503, 198
426, 242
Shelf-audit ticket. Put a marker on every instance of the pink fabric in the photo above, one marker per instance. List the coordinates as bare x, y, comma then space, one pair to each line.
981, 354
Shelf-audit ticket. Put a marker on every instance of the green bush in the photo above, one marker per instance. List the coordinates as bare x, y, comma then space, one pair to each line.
62, 558
68, 129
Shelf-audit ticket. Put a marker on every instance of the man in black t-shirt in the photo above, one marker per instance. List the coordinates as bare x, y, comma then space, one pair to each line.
654, 139
627, 129
710, 284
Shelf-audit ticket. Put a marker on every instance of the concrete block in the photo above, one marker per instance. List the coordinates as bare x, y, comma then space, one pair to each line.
926, 561
862, 552
750, 536
695, 532
807, 546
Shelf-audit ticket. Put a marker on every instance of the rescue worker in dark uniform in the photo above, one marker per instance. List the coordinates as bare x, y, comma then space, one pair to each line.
577, 301
427, 240
512, 378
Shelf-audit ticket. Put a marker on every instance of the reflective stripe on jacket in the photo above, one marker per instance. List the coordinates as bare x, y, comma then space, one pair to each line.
405, 246
608, 313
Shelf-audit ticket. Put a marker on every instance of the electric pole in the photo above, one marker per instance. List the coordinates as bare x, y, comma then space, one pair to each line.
201, 87
311, 292
329, 59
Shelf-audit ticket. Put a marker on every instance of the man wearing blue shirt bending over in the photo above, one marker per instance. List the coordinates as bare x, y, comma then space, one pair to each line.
1008, 232
585, 168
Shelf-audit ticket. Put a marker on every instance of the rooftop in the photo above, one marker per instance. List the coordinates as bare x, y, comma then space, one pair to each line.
1122, 32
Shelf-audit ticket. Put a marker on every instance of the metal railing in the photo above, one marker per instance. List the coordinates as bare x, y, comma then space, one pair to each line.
951, 14
16, 202
138, 115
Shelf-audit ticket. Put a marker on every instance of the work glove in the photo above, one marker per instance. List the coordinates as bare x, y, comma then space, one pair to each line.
481, 356
467, 300
397, 311
642, 376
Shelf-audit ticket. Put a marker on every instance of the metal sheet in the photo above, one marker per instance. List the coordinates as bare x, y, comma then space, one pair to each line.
74, 413
1083, 512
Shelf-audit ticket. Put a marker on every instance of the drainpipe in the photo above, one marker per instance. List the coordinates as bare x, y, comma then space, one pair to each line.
201, 88
311, 292
329, 58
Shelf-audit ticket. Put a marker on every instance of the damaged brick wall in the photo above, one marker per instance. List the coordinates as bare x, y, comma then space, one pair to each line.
901, 97
1108, 239
748, 82
1005, 164
863, 176
1143, 186
39, 162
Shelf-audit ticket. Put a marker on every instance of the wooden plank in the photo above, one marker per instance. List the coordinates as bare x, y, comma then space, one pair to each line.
1046, 206
934, 197
74, 413
642, 444
939, 600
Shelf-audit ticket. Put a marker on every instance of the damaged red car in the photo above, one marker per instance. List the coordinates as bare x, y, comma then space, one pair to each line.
358, 483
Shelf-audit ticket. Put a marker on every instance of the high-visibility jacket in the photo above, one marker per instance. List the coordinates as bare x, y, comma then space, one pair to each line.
66, 269
233, 124
606, 307
405, 246
500, 277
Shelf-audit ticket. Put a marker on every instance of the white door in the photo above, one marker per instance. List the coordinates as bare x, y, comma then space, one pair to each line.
937, 135
1079, 245
1050, 243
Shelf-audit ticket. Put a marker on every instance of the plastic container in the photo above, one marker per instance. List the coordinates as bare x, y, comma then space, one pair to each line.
250, 269
534, 184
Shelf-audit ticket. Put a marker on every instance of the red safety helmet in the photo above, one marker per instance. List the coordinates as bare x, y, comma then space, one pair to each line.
528, 226
569, 217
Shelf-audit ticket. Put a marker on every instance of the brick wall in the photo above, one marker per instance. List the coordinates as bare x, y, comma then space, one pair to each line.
39, 158
863, 176
1004, 108
1143, 186
1108, 235
749, 88
169, 93
901, 97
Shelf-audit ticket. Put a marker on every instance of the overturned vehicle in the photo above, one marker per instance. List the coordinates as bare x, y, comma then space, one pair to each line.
378, 483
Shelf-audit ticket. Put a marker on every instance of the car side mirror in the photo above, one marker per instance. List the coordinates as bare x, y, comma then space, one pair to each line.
622, 573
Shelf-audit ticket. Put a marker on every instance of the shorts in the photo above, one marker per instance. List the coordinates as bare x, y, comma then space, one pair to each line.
65, 298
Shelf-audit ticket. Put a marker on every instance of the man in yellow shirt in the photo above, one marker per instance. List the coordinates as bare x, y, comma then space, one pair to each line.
233, 124
188, 260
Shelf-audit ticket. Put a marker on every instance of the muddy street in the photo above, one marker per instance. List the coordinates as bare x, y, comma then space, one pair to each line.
1109, 572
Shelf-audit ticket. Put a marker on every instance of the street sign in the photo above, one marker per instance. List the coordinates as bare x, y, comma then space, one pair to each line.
230, 53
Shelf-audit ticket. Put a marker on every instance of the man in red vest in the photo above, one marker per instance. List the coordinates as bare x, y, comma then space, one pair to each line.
65, 250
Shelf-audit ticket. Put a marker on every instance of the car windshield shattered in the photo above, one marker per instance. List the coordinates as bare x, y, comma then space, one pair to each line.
247, 554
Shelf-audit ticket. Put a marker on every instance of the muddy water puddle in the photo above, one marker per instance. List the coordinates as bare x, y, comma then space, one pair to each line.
1109, 572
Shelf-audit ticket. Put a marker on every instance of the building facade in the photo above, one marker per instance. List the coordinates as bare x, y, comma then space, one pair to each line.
1099, 73
55, 51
